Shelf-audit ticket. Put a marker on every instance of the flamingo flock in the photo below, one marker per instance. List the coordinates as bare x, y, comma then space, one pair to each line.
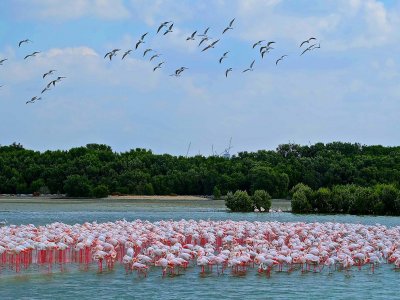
173, 246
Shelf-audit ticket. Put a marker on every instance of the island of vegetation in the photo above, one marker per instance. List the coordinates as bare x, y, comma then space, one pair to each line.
321, 178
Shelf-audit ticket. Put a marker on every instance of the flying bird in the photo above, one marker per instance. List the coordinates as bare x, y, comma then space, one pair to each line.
203, 40
163, 24
210, 46
3, 60
146, 51
33, 54
279, 59
227, 71
223, 56
229, 27
307, 41
48, 73
316, 47
270, 43
141, 40
205, 32
112, 53
33, 99
158, 66
169, 29
179, 71
126, 53
45, 89
258, 43
191, 38
154, 56
24, 41
307, 49
251, 67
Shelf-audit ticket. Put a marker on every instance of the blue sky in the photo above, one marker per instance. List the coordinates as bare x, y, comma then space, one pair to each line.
348, 90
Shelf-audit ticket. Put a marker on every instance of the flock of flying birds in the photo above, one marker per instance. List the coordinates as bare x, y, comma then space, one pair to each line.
208, 42
50, 72
167, 27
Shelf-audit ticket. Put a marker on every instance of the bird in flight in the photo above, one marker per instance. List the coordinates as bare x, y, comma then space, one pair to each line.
279, 59
179, 71
223, 56
191, 38
307, 41
229, 27
169, 29
163, 24
24, 41
316, 47
251, 67
45, 89
48, 73
308, 49
210, 46
154, 56
3, 60
205, 32
112, 53
33, 54
227, 71
33, 99
146, 51
141, 40
258, 43
203, 40
158, 66
126, 53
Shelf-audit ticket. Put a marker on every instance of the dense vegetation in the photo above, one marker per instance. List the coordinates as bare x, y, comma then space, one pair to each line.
240, 201
378, 200
97, 169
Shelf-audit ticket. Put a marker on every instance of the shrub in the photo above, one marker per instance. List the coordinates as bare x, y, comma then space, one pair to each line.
216, 193
260, 199
239, 202
322, 200
300, 203
301, 187
389, 196
100, 191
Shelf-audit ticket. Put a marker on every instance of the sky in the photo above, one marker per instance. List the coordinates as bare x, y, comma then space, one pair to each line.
347, 90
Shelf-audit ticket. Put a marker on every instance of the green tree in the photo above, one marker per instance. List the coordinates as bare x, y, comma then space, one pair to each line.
100, 191
216, 193
261, 198
77, 186
239, 202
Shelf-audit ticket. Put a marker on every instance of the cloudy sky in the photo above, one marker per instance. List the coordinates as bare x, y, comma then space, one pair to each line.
348, 90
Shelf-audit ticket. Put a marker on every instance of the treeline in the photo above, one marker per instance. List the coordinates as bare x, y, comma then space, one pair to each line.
381, 199
82, 170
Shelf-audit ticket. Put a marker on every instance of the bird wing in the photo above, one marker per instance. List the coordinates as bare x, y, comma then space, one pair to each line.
27, 56
306, 41
225, 30
220, 60
230, 24
159, 28
137, 44
307, 49
246, 70
252, 64
312, 38
143, 36
19, 44
208, 47
213, 43
107, 54
202, 40
205, 31
276, 63
270, 43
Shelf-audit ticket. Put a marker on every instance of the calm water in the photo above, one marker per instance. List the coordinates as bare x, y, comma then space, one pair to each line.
88, 284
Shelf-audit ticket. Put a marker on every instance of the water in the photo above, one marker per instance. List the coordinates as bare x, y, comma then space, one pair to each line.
74, 282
